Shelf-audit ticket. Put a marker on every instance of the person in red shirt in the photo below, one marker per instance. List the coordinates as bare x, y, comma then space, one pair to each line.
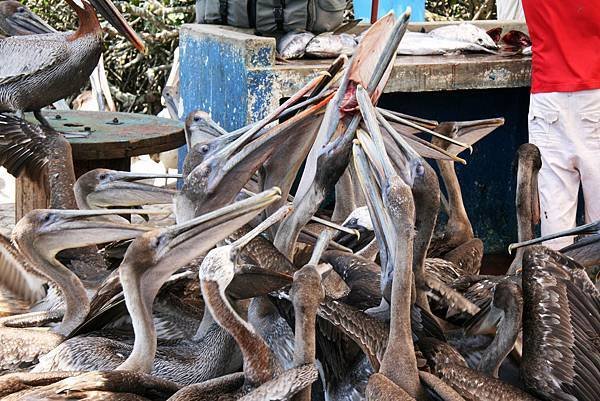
564, 110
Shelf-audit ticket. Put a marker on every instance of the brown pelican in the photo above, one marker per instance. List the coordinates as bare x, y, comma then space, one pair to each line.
585, 251
229, 162
260, 365
560, 321
392, 211
329, 156
393, 214
456, 242
16, 19
102, 188
527, 197
149, 262
479, 289
50, 67
38, 238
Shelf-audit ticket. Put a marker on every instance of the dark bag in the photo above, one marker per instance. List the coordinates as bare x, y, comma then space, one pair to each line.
270, 16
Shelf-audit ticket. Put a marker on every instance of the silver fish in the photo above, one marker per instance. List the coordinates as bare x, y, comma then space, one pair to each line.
328, 45
422, 44
465, 32
292, 44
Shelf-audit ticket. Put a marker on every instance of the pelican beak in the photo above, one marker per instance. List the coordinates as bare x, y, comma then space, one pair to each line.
590, 228
67, 229
123, 190
26, 22
467, 132
108, 10
370, 174
185, 242
233, 165
407, 159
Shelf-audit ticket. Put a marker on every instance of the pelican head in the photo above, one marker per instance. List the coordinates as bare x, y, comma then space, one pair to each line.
53, 230
156, 254
16, 19
229, 163
101, 188
200, 128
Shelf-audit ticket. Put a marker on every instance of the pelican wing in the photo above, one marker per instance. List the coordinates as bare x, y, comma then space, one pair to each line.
29, 54
22, 145
285, 385
15, 276
561, 322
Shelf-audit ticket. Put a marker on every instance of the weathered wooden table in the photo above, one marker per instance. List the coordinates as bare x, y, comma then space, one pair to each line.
113, 139
234, 76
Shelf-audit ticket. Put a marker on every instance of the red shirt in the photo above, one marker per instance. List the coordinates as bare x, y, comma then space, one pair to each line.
566, 44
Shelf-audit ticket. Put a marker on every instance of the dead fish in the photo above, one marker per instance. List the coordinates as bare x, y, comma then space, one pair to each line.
465, 32
516, 39
495, 34
423, 44
292, 44
328, 45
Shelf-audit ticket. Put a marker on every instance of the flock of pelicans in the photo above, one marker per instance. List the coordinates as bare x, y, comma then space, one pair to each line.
254, 294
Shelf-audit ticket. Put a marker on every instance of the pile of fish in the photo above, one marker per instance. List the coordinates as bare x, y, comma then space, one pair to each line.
450, 39
257, 294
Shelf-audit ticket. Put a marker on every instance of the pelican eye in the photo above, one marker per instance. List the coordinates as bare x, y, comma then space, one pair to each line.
103, 176
204, 148
196, 118
21, 10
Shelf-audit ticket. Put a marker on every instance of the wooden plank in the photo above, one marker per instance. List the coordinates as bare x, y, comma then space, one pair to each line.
425, 73
30, 194
116, 135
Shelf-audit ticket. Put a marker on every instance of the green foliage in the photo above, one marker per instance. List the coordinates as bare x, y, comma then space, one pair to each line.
136, 80
461, 9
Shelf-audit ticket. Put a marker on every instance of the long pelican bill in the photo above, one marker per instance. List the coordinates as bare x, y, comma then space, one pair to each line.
57, 230
468, 132
121, 189
590, 228
182, 243
108, 10
409, 123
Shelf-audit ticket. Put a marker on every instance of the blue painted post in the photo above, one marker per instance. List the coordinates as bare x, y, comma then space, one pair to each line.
226, 73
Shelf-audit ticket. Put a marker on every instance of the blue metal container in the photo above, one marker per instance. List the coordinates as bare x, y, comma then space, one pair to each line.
362, 8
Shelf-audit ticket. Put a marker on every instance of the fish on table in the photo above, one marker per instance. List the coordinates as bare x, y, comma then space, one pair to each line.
329, 45
292, 45
423, 44
465, 32
449, 39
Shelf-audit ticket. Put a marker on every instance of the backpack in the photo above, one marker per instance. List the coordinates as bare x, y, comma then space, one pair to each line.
273, 16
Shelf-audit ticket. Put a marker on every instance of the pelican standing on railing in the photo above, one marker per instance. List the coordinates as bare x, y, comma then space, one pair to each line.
45, 68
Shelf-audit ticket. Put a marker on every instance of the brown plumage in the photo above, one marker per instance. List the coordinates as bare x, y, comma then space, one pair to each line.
561, 322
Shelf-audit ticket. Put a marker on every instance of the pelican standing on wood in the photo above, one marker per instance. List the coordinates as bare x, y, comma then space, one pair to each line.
45, 68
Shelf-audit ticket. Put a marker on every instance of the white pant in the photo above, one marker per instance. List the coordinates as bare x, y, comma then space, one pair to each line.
510, 10
566, 129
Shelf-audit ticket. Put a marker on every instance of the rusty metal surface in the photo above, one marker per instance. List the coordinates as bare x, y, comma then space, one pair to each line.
115, 135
